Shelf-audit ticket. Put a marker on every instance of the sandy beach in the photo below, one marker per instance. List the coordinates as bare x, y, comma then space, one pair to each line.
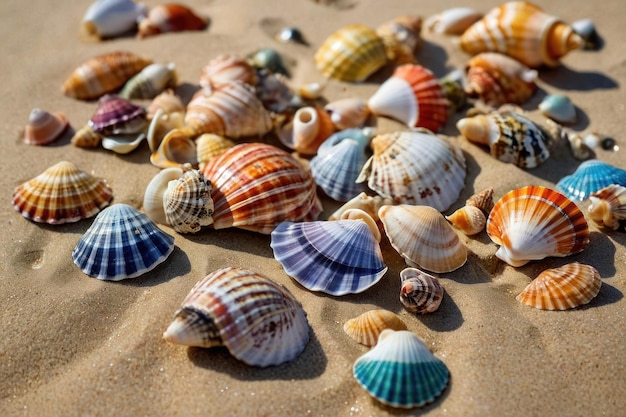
76, 346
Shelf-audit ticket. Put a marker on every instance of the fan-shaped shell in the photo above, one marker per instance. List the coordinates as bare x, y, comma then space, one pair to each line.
415, 168
366, 327
532, 223
121, 243
110, 18
608, 206
258, 320
117, 115
227, 68
176, 149
423, 237
351, 54
63, 193
347, 113
43, 127
562, 288
150, 82
256, 186
170, 17
400, 371
453, 21
153, 196
468, 219
420, 292
590, 177
187, 202
401, 37
209, 145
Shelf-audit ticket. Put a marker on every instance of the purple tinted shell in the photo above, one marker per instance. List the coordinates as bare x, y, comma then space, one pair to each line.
113, 111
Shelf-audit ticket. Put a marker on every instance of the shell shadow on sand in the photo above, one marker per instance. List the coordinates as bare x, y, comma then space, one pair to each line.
565, 78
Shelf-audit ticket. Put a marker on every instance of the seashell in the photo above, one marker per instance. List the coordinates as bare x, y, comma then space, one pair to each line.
256, 186
161, 124
226, 68
423, 237
608, 206
337, 258
366, 327
413, 96
176, 149
415, 168
111, 18
357, 214
116, 115
339, 162
310, 91
268, 59
452, 86
532, 223
587, 31
523, 31
168, 102
400, 371
577, 145
150, 82
44, 128
511, 137
103, 74
291, 34
153, 197
347, 113
275, 94
483, 200
420, 292
209, 146
559, 108
259, 321
63, 193
401, 38
169, 17
453, 21
85, 137
230, 110
310, 127
469, 219
351, 54
187, 202
498, 79
590, 176
121, 243
123, 143
562, 288
367, 203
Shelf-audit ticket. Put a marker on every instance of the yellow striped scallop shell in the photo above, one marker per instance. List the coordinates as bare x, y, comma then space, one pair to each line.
366, 327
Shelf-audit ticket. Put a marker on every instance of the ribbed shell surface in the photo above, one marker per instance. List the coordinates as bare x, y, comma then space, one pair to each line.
113, 111
420, 292
366, 327
187, 202
589, 177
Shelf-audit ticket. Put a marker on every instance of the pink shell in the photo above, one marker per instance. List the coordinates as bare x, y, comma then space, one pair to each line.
113, 111
43, 127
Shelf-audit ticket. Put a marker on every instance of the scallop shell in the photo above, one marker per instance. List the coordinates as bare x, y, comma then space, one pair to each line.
337, 258
121, 243
258, 320
569, 286
423, 237
608, 206
170, 17
366, 327
400, 371
176, 149
347, 113
226, 68
256, 186
187, 202
117, 115
453, 21
401, 37
367, 203
44, 128
168, 102
590, 176
420, 292
413, 96
523, 31
310, 127
150, 82
110, 18
161, 124
469, 219
498, 79
85, 137
559, 108
532, 223
511, 137
103, 74
483, 200
351, 54
208, 146
415, 168
153, 197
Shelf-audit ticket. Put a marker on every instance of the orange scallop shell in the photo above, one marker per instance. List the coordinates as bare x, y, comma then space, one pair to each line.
43, 127
366, 327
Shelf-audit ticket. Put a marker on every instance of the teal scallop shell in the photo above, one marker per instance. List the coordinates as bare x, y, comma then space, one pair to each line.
589, 177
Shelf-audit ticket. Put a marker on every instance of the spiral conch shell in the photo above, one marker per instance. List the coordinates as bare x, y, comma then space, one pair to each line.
469, 219
420, 292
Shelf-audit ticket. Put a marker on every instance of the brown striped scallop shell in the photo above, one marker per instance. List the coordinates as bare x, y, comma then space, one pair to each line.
420, 292
187, 202
366, 327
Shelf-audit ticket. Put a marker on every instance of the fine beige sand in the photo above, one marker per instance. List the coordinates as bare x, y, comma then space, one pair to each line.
76, 346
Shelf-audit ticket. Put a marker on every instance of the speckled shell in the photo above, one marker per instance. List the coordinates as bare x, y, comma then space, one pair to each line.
110, 18
608, 206
400, 371
366, 327
347, 113
351, 54
413, 96
590, 176
187, 202
168, 102
532, 223
415, 168
420, 292
43, 127
170, 17
256, 186
176, 149
150, 82
259, 321
310, 127
153, 195
85, 137
401, 37
453, 21
121, 243
562, 288
469, 219
209, 145
226, 68
117, 115
103, 74
511, 137
63, 193
423, 237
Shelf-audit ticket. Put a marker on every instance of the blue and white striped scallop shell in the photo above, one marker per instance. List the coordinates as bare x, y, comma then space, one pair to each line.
335, 257
400, 371
121, 243
589, 177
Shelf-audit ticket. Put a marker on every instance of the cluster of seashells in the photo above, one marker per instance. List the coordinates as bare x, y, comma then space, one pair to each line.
395, 187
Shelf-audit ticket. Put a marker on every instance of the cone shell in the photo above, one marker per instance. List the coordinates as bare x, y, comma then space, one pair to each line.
121, 243
420, 292
258, 320
351, 54
110, 18
226, 68
117, 115
103, 74
608, 206
523, 31
453, 21
63, 193
170, 17
469, 219
256, 186
150, 82
176, 149
413, 96
209, 145
153, 197
366, 327
415, 168
569, 286
311, 127
44, 128
534, 222
85, 137
590, 176
400, 371
187, 202
401, 37
423, 237
483, 200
